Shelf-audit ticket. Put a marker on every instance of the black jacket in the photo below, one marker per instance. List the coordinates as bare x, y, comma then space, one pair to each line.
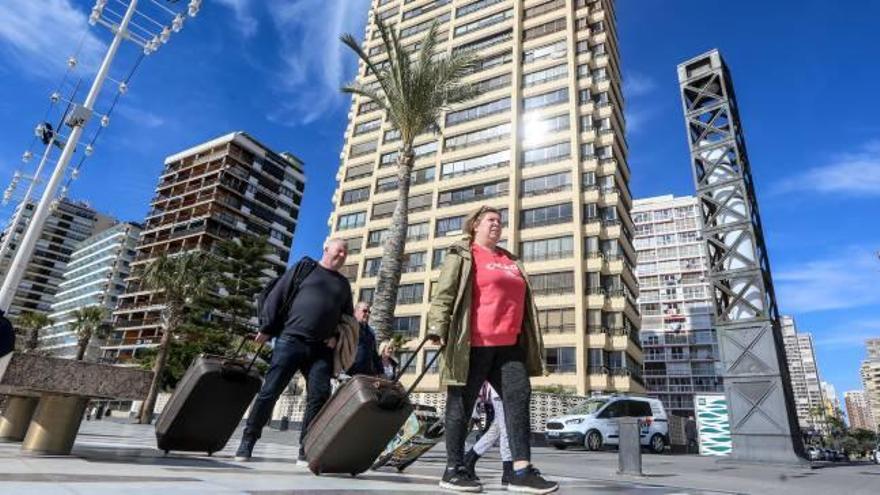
367, 360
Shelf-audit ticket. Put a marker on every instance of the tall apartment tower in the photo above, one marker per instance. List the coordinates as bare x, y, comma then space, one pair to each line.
70, 223
681, 348
830, 400
544, 143
857, 411
95, 276
804, 373
225, 188
870, 372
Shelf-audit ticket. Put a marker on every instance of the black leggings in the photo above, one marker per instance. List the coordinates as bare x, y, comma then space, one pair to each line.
505, 369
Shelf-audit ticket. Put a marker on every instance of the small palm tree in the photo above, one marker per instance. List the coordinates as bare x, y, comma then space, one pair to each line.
414, 88
180, 278
33, 323
88, 323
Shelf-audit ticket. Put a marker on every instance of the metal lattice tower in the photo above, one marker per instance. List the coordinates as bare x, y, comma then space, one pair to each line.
763, 422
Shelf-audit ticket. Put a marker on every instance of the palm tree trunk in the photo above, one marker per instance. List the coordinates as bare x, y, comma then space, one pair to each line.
33, 339
158, 370
385, 297
81, 347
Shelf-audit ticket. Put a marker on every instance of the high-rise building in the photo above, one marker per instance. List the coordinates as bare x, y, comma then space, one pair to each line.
681, 348
95, 276
804, 375
69, 223
870, 372
831, 401
544, 143
857, 411
228, 187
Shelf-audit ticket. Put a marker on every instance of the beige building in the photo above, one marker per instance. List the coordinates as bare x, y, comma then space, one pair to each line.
857, 411
804, 373
870, 372
544, 143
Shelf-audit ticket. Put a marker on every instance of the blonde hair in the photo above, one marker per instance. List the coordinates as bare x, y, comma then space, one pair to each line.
472, 220
385, 345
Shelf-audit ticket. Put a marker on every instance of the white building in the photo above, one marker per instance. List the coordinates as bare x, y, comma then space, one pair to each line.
681, 348
805, 383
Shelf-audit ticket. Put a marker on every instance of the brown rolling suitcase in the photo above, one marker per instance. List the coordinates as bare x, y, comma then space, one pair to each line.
358, 421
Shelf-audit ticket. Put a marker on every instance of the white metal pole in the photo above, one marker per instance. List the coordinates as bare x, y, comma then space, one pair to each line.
41, 213
19, 214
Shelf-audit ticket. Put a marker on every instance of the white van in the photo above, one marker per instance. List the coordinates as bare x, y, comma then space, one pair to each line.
594, 423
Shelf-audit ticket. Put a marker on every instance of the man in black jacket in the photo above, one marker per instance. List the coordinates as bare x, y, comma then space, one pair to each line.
366, 361
305, 334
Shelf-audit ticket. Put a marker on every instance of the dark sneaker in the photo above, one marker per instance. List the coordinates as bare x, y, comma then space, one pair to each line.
470, 463
530, 481
245, 449
460, 480
506, 472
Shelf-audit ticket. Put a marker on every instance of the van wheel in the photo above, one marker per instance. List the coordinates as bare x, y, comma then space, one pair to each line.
593, 440
658, 444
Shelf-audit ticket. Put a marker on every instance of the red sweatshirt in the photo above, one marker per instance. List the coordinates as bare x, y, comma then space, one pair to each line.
498, 302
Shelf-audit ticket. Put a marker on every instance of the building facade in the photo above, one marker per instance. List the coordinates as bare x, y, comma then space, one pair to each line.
544, 143
226, 188
801, 356
681, 347
69, 223
870, 372
857, 411
831, 401
95, 276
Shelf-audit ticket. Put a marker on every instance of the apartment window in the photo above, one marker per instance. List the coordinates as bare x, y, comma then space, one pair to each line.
367, 107
493, 83
546, 154
588, 180
543, 8
387, 14
366, 295
483, 43
544, 29
494, 133
423, 26
351, 220
390, 136
547, 249
476, 192
437, 257
546, 215
599, 74
560, 359
429, 358
545, 99
354, 244
417, 11
492, 61
368, 126
588, 151
388, 159
410, 293
557, 320
584, 97
416, 203
549, 51
406, 326
358, 171
448, 226
536, 129
417, 231
474, 6
478, 111
583, 71
545, 75
475, 164
413, 262
420, 176
546, 184
355, 195
371, 267
362, 149
485, 22
554, 283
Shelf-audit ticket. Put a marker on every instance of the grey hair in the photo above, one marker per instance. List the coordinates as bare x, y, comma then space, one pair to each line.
334, 240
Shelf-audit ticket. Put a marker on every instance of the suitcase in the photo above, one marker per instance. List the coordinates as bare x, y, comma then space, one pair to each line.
207, 405
358, 421
422, 430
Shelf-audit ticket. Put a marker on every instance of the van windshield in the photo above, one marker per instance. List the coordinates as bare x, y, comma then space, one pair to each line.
588, 407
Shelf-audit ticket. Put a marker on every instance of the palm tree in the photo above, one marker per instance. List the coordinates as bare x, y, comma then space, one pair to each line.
88, 322
180, 278
33, 323
414, 89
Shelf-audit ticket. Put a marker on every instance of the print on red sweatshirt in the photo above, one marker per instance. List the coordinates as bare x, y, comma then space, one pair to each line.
498, 302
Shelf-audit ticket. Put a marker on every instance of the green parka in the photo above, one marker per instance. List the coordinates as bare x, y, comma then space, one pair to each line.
450, 316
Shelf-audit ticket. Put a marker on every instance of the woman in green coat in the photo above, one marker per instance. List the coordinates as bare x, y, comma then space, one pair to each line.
484, 314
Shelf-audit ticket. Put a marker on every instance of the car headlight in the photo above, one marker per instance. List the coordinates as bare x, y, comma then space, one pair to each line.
575, 421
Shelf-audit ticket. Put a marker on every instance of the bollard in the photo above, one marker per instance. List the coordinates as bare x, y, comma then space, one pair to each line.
629, 454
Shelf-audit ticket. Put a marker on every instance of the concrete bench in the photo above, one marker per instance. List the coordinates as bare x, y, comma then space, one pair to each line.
46, 398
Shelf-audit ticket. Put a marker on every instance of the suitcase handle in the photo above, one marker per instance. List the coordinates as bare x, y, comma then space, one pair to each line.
244, 338
424, 371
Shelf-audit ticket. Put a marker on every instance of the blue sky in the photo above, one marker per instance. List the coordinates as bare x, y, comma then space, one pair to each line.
805, 76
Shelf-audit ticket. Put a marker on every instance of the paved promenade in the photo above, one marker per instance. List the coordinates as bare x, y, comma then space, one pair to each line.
116, 458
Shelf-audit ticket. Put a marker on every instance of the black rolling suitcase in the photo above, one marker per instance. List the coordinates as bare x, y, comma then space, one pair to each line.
207, 405
358, 421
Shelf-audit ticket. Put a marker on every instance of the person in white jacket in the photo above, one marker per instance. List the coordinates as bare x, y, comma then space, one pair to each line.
496, 433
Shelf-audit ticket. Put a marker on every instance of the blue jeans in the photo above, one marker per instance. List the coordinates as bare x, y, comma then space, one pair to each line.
292, 354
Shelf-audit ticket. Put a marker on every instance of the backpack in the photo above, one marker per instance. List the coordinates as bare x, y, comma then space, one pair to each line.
275, 323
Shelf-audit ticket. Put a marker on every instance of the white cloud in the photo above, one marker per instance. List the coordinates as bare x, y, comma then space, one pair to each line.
314, 64
637, 118
846, 279
856, 173
139, 116
39, 36
635, 85
245, 22
849, 334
